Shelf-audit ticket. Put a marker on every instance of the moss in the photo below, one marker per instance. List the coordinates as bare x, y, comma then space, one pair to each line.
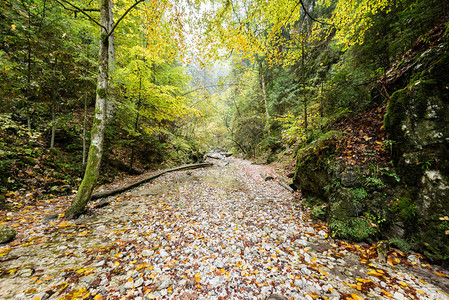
6, 234
396, 113
79, 203
407, 211
101, 93
401, 244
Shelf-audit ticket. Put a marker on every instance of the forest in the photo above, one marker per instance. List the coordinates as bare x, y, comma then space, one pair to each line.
346, 100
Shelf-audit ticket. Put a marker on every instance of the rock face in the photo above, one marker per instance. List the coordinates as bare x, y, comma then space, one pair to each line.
412, 213
417, 121
6, 234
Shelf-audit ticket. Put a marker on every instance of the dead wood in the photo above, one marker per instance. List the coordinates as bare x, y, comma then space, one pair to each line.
147, 179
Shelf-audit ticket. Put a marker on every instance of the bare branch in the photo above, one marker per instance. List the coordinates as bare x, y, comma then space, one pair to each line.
310, 16
124, 15
77, 9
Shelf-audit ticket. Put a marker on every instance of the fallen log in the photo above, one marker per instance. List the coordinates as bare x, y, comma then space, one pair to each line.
147, 179
286, 186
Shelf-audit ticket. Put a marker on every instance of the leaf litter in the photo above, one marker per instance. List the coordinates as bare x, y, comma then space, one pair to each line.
216, 233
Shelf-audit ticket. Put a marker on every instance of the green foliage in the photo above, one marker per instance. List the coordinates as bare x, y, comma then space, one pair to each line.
354, 229
406, 209
336, 183
414, 18
358, 194
318, 213
374, 182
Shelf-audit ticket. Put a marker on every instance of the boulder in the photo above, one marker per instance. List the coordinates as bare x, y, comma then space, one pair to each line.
6, 234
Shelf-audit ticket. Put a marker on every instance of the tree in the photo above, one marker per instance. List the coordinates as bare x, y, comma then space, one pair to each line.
79, 203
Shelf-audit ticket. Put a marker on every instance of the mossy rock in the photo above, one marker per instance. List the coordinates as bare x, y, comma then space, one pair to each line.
417, 121
6, 234
434, 242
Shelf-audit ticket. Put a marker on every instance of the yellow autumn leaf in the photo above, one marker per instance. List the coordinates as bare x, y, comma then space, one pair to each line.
80, 271
356, 297
63, 224
440, 274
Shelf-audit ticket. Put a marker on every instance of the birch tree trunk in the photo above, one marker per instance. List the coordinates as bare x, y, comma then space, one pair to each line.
111, 61
99, 124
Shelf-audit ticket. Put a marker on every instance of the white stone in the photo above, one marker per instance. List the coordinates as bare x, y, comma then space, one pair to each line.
147, 253
399, 296
163, 253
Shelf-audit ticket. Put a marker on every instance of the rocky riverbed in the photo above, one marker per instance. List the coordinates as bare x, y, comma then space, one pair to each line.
216, 233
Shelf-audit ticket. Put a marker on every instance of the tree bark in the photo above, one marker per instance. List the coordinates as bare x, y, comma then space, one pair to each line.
84, 130
267, 115
54, 96
264, 94
136, 125
99, 125
53, 121
111, 59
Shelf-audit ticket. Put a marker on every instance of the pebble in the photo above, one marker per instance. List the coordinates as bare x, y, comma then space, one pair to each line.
87, 280
100, 263
26, 272
147, 253
399, 296
138, 282
165, 282
163, 253
129, 285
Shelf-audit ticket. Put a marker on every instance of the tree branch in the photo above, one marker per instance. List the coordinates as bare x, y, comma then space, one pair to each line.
310, 16
77, 9
124, 15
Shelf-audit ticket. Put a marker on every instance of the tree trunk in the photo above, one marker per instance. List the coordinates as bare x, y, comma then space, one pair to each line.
306, 123
111, 59
264, 94
267, 115
99, 124
53, 121
54, 95
111, 46
136, 125
28, 89
84, 130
